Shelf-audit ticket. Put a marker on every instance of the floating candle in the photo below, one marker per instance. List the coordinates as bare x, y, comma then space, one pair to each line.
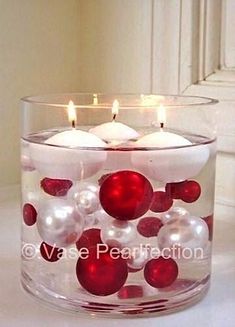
114, 132
62, 159
175, 158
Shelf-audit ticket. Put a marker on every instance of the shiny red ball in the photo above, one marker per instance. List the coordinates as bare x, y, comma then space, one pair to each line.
126, 195
149, 226
56, 187
101, 273
160, 272
29, 214
173, 189
103, 178
161, 202
89, 238
50, 253
190, 191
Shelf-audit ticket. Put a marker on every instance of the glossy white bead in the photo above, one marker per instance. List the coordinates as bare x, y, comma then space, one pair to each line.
188, 232
139, 257
173, 213
59, 222
118, 233
86, 196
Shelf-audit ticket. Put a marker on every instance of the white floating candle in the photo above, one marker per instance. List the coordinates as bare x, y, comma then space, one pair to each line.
62, 159
114, 132
169, 164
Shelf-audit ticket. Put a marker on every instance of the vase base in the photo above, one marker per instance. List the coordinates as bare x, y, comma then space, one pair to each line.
138, 307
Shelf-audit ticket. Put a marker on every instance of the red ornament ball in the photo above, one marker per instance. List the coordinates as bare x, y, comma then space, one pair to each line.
190, 191
160, 272
56, 187
50, 253
89, 238
173, 189
101, 273
161, 202
187, 191
103, 178
126, 195
29, 214
149, 226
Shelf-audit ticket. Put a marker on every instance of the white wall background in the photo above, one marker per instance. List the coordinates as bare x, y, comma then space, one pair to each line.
39, 53
115, 43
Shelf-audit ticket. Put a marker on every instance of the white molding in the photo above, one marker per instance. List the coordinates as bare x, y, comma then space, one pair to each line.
189, 44
186, 43
212, 34
219, 90
175, 45
227, 35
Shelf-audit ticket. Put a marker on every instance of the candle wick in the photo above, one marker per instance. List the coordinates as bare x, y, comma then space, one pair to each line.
114, 117
161, 126
73, 123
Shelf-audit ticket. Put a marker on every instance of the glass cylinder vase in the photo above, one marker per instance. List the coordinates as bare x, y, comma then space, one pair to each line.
117, 201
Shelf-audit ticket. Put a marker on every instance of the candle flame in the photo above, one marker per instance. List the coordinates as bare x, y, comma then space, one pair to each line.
161, 116
115, 109
95, 99
72, 113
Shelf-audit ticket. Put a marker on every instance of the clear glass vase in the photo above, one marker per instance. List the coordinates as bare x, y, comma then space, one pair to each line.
117, 201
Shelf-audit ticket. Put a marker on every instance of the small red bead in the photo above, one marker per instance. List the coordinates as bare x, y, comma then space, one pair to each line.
149, 226
101, 273
160, 272
50, 253
56, 187
209, 220
130, 292
173, 189
126, 195
161, 202
190, 191
89, 238
29, 214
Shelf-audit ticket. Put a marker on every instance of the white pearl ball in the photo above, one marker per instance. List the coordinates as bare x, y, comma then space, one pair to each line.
139, 257
86, 196
59, 222
174, 213
188, 232
118, 233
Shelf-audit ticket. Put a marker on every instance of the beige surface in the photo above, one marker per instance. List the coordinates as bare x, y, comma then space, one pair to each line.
39, 53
